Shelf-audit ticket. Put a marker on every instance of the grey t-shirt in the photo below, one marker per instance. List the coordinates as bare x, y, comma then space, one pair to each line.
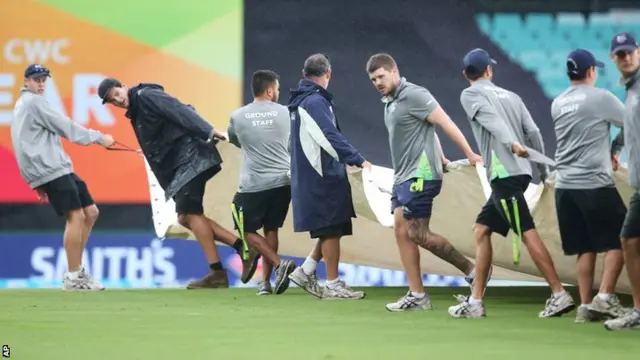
412, 139
261, 130
498, 119
582, 117
632, 130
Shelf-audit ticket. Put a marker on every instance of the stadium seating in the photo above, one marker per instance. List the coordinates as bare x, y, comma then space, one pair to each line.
540, 42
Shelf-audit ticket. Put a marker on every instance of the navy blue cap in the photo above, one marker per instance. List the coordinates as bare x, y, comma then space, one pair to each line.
624, 41
581, 60
476, 61
35, 71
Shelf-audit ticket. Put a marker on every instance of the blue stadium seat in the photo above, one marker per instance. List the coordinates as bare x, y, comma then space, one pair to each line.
506, 24
484, 23
540, 43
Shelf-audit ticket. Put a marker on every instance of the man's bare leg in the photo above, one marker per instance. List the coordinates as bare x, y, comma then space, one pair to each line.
271, 237
335, 289
75, 221
484, 258
91, 214
201, 229
561, 301
420, 234
541, 257
416, 298
586, 270
409, 253
263, 248
631, 248
331, 253
613, 264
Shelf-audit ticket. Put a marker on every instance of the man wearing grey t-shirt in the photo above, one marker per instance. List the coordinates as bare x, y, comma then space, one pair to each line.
411, 114
589, 208
261, 131
501, 123
625, 54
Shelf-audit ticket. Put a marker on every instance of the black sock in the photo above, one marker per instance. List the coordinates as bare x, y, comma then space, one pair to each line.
238, 245
216, 266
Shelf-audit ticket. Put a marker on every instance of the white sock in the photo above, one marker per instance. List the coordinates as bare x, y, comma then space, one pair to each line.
584, 305
418, 295
309, 266
473, 301
332, 282
603, 296
559, 293
74, 275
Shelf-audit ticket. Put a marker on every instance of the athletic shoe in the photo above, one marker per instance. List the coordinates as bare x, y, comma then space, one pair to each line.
610, 308
249, 265
472, 280
264, 288
630, 321
584, 314
410, 303
309, 282
557, 305
283, 271
97, 285
215, 279
81, 283
466, 310
340, 291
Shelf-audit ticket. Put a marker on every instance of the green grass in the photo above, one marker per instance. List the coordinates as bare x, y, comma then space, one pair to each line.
237, 324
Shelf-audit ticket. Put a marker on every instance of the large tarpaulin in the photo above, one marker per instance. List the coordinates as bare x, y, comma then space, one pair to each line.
465, 189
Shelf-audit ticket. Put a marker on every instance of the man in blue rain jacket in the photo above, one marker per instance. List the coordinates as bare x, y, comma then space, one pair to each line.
320, 189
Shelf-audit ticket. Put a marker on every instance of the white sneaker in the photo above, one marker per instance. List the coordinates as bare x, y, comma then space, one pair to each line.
308, 282
466, 310
410, 303
95, 284
610, 308
340, 291
81, 283
557, 305
585, 314
264, 288
630, 321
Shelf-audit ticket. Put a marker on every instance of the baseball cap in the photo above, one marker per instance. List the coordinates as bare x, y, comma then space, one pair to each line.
623, 41
476, 61
34, 71
581, 60
106, 85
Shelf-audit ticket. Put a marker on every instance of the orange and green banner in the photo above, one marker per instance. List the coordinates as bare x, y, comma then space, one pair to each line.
193, 49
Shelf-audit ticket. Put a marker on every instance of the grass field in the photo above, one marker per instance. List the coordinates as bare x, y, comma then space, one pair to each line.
237, 324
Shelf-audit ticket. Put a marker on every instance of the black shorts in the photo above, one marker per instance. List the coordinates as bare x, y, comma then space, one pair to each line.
631, 225
507, 208
266, 209
590, 220
189, 198
67, 193
333, 231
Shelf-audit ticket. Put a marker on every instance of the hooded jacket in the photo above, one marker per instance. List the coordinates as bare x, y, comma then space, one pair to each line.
320, 189
174, 139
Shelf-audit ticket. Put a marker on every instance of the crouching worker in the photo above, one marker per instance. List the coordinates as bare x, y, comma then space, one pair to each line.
179, 146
